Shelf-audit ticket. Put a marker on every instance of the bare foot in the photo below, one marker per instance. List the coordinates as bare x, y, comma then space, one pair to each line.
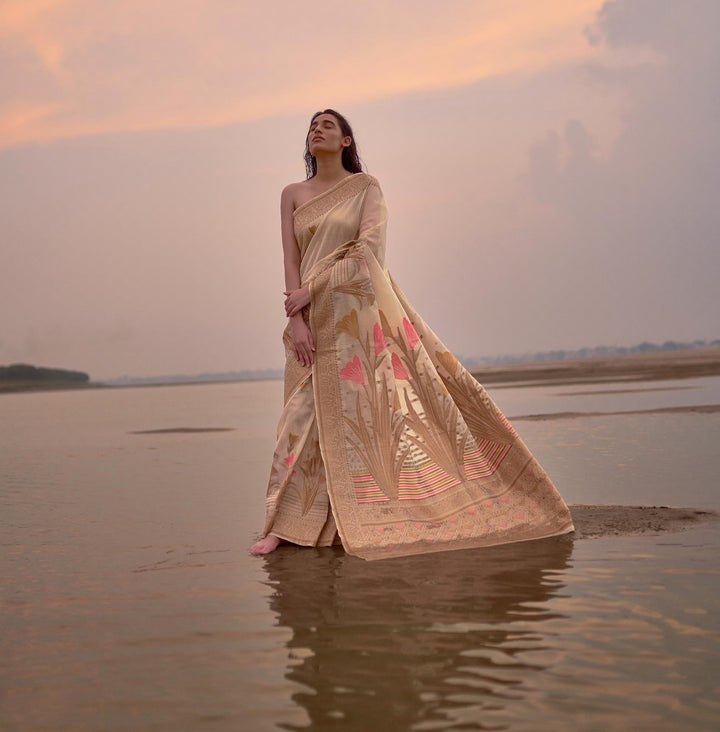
269, 544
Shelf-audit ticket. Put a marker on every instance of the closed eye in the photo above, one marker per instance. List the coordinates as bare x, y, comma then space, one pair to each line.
325, 123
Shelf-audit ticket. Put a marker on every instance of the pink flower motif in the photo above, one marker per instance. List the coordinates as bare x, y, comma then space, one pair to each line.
410, 334
352, 371
380, 344
398, 368
289, 459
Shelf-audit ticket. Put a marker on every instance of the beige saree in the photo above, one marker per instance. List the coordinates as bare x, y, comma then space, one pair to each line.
387, 443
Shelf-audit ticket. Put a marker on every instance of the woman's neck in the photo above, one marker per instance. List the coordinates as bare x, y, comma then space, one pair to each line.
330, 169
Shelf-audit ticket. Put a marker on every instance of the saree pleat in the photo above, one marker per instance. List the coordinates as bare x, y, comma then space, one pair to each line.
298, 508
387, 439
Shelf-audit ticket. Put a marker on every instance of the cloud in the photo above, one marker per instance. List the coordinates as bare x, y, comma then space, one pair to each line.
82, 67
644, 216
565, 204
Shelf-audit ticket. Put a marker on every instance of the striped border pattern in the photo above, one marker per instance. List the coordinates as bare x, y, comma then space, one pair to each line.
429, 479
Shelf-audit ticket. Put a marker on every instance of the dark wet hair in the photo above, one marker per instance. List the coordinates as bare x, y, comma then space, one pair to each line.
350, 158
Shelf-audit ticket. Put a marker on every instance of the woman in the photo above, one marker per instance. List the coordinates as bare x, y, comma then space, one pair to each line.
385, 443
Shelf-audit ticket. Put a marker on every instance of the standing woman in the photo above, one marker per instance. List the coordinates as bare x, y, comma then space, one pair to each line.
386, 443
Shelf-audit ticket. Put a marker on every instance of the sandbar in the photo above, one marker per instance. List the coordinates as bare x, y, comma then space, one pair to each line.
181, 430
592, 522
696, 409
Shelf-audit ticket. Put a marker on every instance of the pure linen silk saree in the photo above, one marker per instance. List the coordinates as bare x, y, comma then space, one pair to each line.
387, 441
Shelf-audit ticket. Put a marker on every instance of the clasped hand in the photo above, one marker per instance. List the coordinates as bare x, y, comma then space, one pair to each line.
296, 300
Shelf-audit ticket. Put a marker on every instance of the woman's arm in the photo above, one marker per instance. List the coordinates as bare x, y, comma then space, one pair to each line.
301, 336
296, 297
291, 252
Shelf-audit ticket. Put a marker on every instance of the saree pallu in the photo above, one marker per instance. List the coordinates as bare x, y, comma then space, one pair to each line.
387, 443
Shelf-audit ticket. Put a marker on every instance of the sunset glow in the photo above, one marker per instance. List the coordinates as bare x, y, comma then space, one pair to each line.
88, 68
548, 167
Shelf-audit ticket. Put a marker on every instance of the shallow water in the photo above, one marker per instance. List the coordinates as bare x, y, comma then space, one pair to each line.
609, 397
129, 601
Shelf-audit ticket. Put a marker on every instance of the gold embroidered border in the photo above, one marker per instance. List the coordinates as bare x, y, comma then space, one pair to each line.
341, 191
326, 385
354, 523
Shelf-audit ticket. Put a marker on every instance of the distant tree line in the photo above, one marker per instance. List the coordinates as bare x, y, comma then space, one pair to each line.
25, 372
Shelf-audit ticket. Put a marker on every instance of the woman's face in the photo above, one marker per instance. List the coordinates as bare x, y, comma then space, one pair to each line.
325, 135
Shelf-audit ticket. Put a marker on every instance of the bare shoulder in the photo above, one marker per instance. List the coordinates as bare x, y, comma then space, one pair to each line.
291, 193
296, 194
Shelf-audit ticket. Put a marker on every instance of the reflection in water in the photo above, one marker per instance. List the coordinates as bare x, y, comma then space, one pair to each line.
423, 642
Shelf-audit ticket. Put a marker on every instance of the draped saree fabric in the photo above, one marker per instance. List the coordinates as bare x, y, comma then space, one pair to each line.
387, 443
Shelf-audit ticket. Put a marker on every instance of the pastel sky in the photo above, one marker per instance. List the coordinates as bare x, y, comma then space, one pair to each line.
551, 169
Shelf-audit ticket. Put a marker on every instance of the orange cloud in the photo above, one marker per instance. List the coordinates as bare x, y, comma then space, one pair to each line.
24, 20
89, 67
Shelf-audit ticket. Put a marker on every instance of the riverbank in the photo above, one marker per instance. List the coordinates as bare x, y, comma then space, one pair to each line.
660, 365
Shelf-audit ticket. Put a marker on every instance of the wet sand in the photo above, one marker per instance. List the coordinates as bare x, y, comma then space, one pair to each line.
592, 522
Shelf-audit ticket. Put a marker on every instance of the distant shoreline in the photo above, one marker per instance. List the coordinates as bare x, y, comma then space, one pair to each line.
24, 387
655, 366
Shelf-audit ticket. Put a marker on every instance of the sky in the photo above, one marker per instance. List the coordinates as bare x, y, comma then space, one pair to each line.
551, 170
